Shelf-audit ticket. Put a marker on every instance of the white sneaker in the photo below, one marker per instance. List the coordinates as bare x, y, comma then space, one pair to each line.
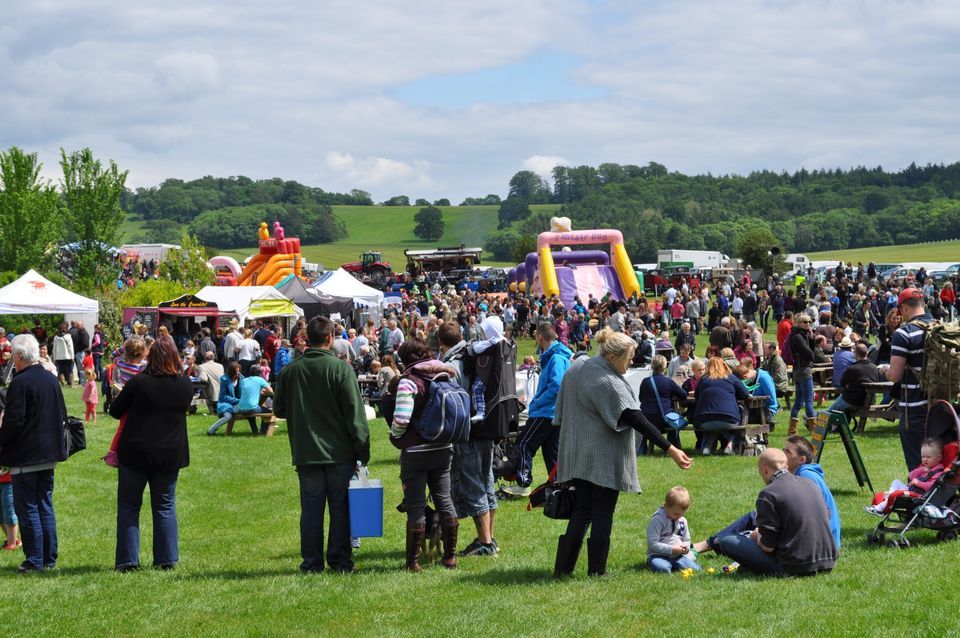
728, 451
517, 491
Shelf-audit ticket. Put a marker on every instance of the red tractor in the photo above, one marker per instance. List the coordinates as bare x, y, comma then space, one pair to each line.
370, 266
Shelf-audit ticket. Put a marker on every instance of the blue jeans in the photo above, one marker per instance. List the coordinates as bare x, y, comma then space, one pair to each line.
321, 485
912, 428
667, 564
163, 505
746, 523
743, 550
8, 514
805, 397
840, 405
33, 502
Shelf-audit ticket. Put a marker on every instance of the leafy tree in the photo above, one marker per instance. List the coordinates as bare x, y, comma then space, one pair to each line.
151, 292
160, 231
28, 212
91, 207
397, 200
754, 248
421, 202
429, 223
443, 201
188, 265
529, 187
502, 244
490, 200
523, 245
512, 209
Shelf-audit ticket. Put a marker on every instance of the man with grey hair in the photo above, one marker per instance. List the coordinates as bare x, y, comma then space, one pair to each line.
210, 373
31, 445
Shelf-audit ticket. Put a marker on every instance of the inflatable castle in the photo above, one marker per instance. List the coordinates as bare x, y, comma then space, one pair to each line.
279, 257
568, 273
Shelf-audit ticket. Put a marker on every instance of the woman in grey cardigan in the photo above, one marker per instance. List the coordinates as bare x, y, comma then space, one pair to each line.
598, 413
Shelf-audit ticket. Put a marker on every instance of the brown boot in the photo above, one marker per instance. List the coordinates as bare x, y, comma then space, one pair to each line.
792, 428
415, 535
812, 424
448, 534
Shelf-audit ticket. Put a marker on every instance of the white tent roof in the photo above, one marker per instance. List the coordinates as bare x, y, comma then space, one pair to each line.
340, 283
238, 299
33, 294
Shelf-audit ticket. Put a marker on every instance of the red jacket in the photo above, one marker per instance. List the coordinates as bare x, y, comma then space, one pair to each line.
783, 331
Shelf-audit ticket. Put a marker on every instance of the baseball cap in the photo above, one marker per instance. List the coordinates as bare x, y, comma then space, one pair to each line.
908, 294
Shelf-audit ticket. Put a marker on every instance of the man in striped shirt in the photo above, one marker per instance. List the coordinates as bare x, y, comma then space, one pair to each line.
906, 362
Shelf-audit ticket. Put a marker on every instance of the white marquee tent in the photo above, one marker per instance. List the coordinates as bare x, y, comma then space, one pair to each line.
340, 283
33, 294
250, 302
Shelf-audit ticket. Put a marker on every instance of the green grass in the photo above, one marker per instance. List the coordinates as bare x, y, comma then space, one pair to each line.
390, 229
238, 508
932, 251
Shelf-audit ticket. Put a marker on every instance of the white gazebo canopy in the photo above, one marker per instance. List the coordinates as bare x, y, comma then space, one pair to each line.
340, 283
33, 294
250, 302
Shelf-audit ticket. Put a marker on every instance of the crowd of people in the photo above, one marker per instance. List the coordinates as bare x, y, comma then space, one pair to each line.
583, 416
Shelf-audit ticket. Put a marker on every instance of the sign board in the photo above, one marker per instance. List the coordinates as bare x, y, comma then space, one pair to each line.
189, 302
133, 318
831, 421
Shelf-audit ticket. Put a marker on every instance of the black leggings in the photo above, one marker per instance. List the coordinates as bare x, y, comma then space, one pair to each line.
594, 508
419, 470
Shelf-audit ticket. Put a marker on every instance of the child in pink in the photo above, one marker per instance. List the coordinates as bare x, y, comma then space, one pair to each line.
920, 479
91, 396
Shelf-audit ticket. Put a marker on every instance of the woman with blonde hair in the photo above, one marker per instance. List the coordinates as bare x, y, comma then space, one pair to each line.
598, 414
717, 409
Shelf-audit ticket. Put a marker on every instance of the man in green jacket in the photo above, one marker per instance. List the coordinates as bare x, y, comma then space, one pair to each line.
319, 396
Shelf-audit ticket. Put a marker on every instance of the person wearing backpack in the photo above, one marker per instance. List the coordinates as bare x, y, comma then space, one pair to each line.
906, 365
423, 462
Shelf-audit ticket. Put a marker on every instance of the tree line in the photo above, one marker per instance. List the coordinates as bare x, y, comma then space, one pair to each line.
806, 211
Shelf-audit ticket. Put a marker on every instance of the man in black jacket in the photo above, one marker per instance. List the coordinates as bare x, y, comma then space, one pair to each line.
31, 444
861, 371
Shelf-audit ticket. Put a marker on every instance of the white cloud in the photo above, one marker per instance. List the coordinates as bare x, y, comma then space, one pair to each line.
380, 172
302, 90
543, 165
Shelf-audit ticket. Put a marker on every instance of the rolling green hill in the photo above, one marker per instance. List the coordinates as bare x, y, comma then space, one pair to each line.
390, 229
930, 251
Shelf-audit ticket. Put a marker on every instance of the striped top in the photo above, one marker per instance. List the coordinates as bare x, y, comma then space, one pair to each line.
907, 342
593, 447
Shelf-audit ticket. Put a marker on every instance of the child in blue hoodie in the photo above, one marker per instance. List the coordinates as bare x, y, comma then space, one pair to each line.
540, 432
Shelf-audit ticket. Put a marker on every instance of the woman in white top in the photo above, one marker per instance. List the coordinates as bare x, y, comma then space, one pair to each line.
249, 351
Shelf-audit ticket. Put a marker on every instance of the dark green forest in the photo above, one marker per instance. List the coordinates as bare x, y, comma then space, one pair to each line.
807, 211
221, 210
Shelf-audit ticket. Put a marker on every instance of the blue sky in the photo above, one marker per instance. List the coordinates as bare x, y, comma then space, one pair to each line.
449, 99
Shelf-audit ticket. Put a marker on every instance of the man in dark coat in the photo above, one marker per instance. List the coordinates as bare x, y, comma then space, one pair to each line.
31, 445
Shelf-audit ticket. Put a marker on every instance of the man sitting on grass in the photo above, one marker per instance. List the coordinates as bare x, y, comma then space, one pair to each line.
792, 535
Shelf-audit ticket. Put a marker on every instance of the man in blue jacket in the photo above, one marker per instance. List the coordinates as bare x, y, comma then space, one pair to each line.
539, 432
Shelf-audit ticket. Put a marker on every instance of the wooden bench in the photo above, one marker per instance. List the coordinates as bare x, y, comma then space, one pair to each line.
268, 422
753, 439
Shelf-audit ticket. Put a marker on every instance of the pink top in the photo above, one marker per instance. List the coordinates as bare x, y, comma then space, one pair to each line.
925, 478
90, 392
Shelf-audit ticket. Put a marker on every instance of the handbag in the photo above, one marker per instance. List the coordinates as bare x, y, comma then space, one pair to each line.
74, 435
560, 499
672, 419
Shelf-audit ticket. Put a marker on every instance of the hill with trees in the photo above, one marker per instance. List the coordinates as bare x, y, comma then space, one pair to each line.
806, 211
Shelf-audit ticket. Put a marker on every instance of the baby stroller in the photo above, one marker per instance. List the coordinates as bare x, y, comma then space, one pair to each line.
935, 510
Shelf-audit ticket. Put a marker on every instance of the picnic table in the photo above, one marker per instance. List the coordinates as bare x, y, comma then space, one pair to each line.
888, 410
754, 433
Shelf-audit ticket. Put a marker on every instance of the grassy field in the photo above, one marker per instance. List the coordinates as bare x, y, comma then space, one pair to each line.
935, 251
390, 229
238, 507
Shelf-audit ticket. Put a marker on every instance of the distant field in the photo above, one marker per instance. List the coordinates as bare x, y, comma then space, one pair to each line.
936, 251
390, 229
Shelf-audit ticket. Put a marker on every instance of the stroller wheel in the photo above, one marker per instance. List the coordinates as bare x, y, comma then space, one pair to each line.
904, 542
948, 535
893, 544
873, 537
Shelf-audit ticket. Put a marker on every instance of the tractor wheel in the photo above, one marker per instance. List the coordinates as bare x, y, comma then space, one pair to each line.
378, 274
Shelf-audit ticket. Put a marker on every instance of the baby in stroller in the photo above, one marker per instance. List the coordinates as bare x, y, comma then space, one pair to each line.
919, 481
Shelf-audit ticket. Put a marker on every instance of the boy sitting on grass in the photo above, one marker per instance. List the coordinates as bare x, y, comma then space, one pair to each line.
668, 536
